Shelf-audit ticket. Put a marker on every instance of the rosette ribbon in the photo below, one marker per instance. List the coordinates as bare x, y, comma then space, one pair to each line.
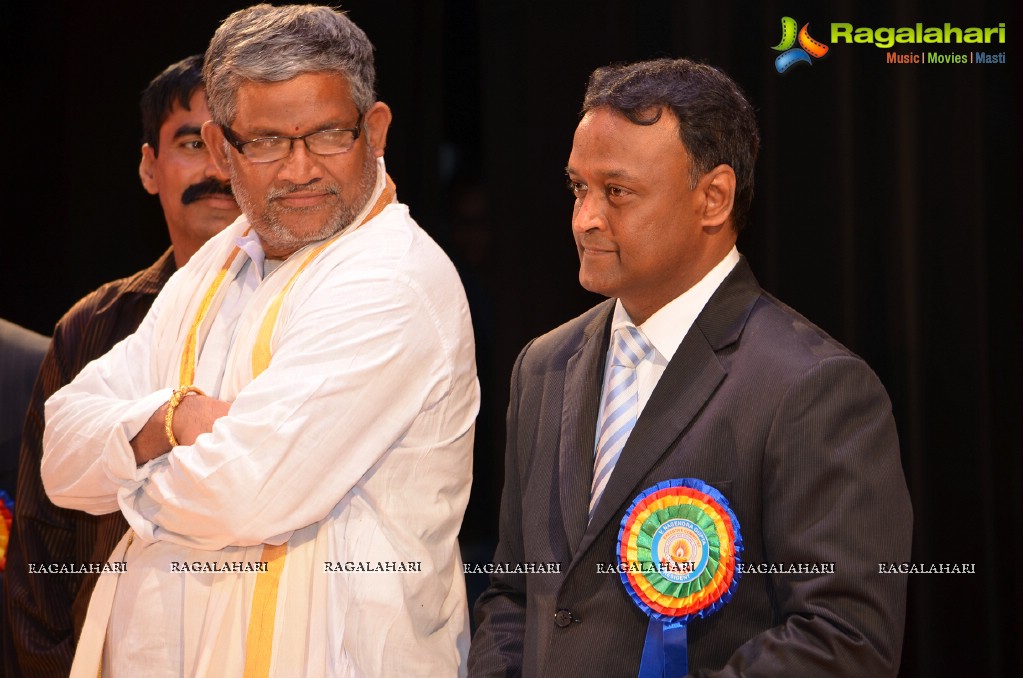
6, 520
678, 552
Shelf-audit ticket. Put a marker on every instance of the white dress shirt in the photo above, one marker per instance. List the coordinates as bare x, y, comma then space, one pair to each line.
668, 326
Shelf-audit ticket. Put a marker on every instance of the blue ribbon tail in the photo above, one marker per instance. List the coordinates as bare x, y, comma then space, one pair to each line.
665, 651
676, 650
652, 665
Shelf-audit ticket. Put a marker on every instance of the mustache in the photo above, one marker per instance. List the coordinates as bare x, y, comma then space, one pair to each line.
208, 186
316, 184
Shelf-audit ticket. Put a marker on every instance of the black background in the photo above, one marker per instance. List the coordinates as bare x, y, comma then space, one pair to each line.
887, 210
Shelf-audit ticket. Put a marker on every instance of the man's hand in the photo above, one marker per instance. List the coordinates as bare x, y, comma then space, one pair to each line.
193, 417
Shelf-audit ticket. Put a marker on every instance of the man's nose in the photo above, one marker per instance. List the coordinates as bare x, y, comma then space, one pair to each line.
587, 214
300, 166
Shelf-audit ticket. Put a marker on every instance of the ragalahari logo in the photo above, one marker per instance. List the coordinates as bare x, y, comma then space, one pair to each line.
790, 55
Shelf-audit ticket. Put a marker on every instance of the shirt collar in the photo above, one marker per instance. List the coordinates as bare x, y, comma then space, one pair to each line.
668, 326
152, 279
251, 245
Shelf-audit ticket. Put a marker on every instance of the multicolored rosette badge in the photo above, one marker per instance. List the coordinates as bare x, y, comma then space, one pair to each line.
678, 551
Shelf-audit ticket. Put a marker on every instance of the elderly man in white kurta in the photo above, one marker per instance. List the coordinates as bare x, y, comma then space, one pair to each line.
289, 432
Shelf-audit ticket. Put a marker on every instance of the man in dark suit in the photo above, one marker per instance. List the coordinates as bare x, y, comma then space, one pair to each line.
21, 351
724, 384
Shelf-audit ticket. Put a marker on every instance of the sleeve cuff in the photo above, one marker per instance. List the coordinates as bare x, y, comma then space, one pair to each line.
118, 457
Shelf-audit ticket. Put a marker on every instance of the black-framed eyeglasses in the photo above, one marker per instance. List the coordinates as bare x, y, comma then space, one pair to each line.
270, 149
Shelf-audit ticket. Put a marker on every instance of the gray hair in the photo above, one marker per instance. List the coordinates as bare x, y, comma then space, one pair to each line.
717, 124
272, 44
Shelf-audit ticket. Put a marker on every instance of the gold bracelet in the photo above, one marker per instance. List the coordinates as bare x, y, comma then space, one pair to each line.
172, 404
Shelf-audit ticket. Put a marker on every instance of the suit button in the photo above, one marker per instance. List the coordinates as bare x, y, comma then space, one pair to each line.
563, 618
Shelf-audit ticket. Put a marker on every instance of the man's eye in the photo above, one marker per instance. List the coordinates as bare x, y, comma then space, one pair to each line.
267, 143
194, 145
576, 187
616, 192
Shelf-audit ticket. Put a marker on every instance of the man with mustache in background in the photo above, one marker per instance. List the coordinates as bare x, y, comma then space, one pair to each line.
46, 611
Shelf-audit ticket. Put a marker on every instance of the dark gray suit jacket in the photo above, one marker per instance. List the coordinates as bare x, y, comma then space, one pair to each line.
792, 428
21, 352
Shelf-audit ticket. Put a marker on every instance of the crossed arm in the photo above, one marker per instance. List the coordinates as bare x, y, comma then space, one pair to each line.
351, 371
193, 417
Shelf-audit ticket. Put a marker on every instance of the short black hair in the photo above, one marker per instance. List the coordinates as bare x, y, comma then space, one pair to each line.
717, 124
174, 86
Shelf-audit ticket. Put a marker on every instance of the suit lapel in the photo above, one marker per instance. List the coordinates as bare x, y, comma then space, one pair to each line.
687, 383
584, 375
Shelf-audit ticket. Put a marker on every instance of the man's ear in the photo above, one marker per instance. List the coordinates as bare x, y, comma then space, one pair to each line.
375, 123
718, 187
147, 171
213, 137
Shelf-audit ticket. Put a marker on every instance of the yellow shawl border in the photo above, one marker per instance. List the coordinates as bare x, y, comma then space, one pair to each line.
186, 370
259, 639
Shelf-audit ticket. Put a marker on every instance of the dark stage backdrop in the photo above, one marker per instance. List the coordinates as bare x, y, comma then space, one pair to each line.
887, 211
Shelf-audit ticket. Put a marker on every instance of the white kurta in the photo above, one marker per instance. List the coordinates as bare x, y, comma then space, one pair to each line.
354, 445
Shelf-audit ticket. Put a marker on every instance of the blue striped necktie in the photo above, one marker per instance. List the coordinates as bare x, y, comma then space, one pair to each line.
621, 405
